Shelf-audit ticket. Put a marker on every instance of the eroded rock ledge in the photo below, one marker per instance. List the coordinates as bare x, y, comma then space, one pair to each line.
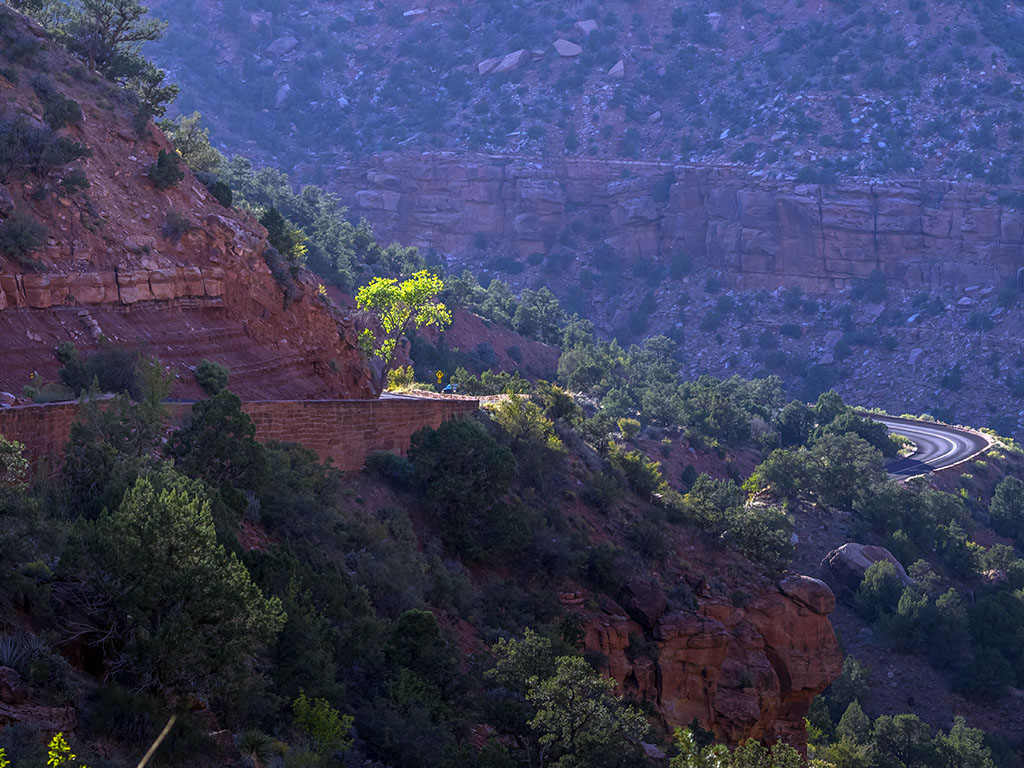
741, 671
761, 229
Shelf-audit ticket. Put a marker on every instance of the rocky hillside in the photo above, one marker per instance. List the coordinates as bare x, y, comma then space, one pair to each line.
822, 88
95, 244
902, 295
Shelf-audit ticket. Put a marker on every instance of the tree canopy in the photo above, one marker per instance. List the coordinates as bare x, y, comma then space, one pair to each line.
396, 307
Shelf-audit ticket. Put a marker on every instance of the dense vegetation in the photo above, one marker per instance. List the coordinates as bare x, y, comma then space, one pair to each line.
136, 560
315, 623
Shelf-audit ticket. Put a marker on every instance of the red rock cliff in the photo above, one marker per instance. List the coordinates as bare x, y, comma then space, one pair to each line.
762, 230
741, 672
113, 265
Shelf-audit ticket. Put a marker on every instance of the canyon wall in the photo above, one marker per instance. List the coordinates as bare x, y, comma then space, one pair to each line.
164, 268
741, 671
759, 229
345, 431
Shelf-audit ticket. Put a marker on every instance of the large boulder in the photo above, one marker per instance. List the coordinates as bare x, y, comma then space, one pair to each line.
12, 689
567, 48
510, 61
848, 564
644, 602
809, 592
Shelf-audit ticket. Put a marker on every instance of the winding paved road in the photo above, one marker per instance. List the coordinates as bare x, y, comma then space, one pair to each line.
938, 446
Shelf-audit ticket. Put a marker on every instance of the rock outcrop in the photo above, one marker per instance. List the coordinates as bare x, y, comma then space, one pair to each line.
741, 672
762, 230
114, 266
848, 564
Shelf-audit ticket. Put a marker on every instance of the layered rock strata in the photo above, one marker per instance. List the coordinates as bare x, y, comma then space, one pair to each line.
741, 672
762, 230
167, 269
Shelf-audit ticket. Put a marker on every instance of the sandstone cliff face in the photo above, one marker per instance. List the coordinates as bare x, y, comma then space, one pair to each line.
113, 264
741, 672
762, 231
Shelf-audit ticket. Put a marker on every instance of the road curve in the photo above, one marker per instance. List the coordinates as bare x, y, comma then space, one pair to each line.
938, 446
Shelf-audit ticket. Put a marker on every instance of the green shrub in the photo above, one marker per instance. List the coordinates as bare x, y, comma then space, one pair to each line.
466, 475
219, 189
396, 470
602, 491
58, 110
166, 171
979, 321
113, 368
628, 428
13, 465
29, 151
785, 473
218, 445
21, 236
188, 614
761, 533
323, 725
642, 474
879, 591
1006, 510
872, 288
175, 225
708, 501
401, 377
107, 450
74, 180
986, 677
212, 377
279, 268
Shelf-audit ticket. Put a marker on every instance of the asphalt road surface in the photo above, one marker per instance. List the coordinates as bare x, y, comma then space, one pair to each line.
938, 446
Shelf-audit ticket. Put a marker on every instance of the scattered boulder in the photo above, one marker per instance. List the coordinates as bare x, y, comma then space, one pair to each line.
914, 354
281, 46
566, 48
586, 26
416, 14
848, 564
485, 66
510, 61
869, 314
610, 607
652, 751
996, 577
619, 70
644, 602
12, 689
281, 95
831, 338
810, 592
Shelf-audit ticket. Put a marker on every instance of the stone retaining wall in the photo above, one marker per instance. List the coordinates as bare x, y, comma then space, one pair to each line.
346, 431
